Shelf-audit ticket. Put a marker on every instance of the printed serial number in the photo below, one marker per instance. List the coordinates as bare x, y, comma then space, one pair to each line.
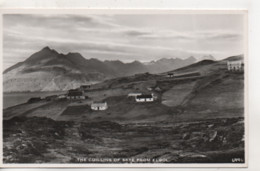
237, 160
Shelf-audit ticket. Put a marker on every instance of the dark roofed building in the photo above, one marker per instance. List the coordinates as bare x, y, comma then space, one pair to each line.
85, 87
144, 98
75, 94
170, 74
34, 99
50, 98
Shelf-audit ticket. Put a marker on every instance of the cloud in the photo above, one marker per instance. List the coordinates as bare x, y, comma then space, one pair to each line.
191, 36
219, 35
111, 37
136, 33
57, 21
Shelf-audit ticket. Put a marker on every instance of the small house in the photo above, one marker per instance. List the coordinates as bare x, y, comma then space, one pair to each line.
51, 98
99, 106
144, 98
34, 100
155, 97
170, 74
149, 88
158, 89
62, 96
84, 87
134, 94
236, 65
75, 94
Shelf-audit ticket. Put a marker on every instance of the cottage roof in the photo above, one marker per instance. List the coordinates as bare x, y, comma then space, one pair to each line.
75, 93
74, 89
144, 96
85, 86
135, 94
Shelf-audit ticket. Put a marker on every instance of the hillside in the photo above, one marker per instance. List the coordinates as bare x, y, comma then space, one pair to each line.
195, 119
48, 70
207, 57
215, 91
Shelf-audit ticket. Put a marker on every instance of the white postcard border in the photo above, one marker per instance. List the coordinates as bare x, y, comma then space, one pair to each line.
132, 12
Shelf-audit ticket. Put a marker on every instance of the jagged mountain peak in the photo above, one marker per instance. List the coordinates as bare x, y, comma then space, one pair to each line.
136, 62
114, 61
73, 54
165, 59
42, 55
46, 48
191, 58
46, 65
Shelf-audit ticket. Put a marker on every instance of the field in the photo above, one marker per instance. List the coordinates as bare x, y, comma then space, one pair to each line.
196, 119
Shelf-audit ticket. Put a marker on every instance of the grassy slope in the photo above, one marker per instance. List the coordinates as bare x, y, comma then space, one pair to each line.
206, 126
217, 93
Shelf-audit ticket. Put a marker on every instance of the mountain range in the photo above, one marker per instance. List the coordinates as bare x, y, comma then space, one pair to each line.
48, 70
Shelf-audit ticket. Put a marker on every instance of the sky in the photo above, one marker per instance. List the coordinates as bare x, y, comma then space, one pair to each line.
125, 37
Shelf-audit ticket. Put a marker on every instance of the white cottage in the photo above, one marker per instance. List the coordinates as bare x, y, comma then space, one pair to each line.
99, 106
62, 96
235, 65
144, 98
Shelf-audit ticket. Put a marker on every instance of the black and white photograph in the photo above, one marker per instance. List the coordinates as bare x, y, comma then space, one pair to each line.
149, 88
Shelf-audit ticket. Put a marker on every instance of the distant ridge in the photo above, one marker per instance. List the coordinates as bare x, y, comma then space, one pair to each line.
49, 70
203, 65
207, 57
166, 64
238, 57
